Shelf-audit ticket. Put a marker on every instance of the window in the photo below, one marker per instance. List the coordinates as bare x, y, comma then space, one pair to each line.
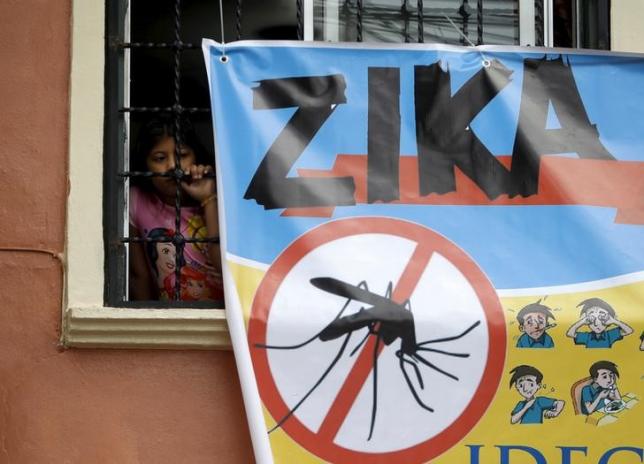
87, 320
160, 86
114, 86
445, 21
581, 24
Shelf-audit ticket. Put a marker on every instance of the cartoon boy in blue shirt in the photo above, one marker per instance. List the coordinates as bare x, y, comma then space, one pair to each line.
533, 409
598, 315
533, 322
603, 388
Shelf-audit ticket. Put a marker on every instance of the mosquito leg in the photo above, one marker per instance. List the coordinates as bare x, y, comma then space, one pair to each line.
456, 337
448, 353
364, 339
413, 364
306, 342
287, 347
436, 368
374, 401
326, 372
411, 385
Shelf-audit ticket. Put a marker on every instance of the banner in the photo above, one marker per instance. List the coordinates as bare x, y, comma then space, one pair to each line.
433, 253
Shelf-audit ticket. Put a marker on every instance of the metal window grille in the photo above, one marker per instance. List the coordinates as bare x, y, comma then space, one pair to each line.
119, 116
407, 21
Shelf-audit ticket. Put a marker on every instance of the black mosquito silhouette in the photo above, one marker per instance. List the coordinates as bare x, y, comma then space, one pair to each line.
387, 321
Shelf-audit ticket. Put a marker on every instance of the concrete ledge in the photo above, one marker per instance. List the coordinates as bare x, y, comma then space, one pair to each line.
105, 327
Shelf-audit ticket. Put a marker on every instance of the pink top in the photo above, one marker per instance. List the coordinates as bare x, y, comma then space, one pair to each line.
153, 219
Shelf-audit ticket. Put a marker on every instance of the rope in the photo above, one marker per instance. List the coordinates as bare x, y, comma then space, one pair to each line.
485, 60
223, 58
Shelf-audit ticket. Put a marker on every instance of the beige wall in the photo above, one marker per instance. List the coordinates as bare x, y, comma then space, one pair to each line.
627, 25
73, 406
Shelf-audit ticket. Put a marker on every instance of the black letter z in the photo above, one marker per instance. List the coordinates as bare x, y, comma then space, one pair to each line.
316, 98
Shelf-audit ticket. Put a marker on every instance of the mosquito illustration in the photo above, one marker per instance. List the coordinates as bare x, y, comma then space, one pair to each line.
385, 319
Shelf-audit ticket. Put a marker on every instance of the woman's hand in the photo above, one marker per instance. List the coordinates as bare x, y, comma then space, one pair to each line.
199, 187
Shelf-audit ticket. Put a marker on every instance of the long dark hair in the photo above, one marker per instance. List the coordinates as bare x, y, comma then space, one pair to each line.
151, 247
152, 132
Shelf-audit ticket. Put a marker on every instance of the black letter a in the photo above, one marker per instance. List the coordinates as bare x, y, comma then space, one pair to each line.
547, 81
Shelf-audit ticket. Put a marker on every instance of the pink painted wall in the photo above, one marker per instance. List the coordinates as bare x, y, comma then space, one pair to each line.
80, 406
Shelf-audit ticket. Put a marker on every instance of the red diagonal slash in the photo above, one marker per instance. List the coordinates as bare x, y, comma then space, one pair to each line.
364, 364
321, 442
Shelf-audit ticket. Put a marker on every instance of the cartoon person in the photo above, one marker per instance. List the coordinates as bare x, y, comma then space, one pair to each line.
598, 315
193, 285
162, 256
532, 410
603, 388
533, 322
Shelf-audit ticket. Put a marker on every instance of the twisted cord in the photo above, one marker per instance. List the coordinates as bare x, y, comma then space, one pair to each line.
538, 24
465, 15
421, 22
405, 14
300, 20
178, 240
359, 24
238, 19
479, 24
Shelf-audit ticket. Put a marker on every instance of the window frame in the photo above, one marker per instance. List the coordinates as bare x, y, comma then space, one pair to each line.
86, 321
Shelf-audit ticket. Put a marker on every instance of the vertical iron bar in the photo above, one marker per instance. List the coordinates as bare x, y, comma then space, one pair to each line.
479, 22
177, 239
464, 11
300, 20
238, 19
421, 22
113, 189
405, 14
359, 24
538, 23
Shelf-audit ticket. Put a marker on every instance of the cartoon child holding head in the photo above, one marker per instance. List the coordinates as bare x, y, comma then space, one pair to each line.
532, 409
598, 315
603, 388
533, 322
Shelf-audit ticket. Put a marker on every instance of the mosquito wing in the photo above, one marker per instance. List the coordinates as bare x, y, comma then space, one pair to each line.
343, 289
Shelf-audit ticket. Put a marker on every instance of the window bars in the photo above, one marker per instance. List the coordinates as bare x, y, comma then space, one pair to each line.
115, 136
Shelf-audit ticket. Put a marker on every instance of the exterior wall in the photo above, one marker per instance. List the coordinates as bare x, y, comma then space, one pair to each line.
627, 31
97, 406
80, 406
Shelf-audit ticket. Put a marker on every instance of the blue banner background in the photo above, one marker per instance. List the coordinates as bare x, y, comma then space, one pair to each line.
516, 246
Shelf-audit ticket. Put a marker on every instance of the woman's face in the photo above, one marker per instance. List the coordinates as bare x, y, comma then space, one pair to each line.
166, 255
161, 159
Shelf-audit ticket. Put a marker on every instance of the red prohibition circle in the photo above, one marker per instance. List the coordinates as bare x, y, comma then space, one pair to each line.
328, 232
